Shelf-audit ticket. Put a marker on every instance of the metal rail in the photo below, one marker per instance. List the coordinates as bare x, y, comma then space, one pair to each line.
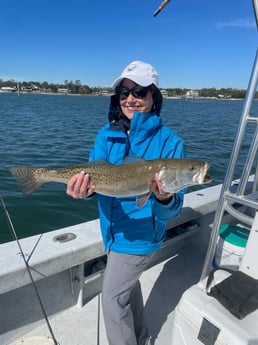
227, 198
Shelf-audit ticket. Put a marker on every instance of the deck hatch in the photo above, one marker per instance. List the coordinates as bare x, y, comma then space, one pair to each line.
208, 333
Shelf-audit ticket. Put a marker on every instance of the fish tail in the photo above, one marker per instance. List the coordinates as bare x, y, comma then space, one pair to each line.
28, 178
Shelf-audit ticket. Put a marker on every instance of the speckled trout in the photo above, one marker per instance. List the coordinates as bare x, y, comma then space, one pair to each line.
128, 179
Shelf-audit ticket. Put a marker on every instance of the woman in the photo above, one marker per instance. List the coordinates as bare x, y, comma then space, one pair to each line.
131, 235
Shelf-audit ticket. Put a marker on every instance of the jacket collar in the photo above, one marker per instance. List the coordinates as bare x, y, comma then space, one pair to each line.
143, 125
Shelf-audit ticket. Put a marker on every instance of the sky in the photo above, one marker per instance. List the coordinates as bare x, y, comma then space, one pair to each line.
191, 43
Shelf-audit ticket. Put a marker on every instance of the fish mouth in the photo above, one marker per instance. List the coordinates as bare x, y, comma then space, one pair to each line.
200, 177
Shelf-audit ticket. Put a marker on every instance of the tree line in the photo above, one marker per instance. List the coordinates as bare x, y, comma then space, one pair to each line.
72, 87
211, 92
77, 88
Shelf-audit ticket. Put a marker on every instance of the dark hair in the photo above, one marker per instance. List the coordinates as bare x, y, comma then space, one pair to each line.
119, 121
157, 100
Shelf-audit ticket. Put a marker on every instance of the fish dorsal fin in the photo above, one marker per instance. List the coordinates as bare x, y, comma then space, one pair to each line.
132, 159
142, 199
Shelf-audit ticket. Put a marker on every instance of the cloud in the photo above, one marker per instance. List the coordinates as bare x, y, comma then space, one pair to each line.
238, 23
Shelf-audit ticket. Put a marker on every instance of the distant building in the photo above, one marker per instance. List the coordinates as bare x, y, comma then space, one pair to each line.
192, 94
62, 90
107, 92
8, 89
31, 88
164, 92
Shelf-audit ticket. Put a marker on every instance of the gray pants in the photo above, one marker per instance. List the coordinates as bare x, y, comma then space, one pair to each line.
122, 300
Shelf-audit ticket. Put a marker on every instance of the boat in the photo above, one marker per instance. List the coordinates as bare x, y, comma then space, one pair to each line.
50, 284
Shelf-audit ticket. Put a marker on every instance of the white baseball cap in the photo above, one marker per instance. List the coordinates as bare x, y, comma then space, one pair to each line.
139, 72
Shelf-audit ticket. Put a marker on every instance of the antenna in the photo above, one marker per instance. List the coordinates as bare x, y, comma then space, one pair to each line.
163, 5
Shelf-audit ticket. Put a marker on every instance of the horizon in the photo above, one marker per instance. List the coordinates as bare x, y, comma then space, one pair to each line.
109, 87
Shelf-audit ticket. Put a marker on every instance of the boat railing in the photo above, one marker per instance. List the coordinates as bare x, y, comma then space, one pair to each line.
228, 199
68, 248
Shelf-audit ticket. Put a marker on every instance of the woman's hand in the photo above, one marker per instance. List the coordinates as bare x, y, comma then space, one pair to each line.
156, 187
79, 186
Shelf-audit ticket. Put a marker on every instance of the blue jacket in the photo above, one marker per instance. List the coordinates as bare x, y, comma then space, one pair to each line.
126, 228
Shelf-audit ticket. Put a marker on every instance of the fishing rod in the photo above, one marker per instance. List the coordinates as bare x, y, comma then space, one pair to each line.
163, 5
11, 227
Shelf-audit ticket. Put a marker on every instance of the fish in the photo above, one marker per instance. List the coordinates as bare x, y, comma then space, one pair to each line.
131, 178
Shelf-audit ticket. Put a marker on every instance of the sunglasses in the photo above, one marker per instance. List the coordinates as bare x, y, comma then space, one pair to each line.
137, 91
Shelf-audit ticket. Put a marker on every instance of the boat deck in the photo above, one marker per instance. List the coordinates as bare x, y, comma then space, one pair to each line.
162, 285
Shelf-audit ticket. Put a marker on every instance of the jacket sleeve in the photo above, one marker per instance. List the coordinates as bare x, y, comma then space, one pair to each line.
99, 150
110, 145
171, 210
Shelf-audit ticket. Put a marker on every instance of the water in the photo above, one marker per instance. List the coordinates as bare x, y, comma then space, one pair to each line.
51, 131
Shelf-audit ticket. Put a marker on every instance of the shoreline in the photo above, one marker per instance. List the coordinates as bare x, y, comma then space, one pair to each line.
108, 95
